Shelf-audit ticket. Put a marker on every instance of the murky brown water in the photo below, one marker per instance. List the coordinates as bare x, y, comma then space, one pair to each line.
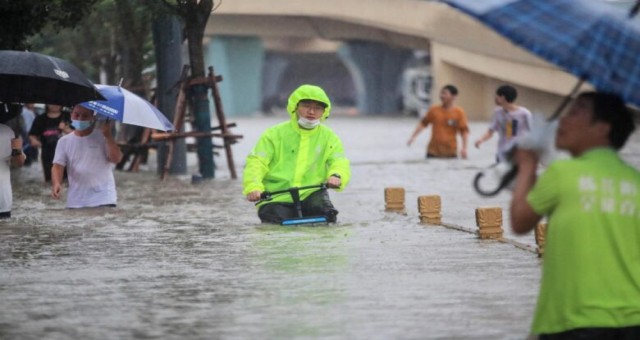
176, 260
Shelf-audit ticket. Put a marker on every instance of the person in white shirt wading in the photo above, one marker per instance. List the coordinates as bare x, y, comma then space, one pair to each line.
89, 155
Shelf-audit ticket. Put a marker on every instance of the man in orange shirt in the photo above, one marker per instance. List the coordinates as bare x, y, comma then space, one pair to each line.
447, 121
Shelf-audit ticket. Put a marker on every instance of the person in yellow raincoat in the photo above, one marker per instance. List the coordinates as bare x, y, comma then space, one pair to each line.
299, 152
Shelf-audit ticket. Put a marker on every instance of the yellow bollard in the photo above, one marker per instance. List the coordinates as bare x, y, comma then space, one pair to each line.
489, 222
540, 231
394, 200
430, 208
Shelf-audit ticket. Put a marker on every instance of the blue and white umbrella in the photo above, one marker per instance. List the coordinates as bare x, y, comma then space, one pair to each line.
592, 40
128, 108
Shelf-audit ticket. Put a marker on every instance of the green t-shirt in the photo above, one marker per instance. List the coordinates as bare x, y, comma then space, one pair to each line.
591, 270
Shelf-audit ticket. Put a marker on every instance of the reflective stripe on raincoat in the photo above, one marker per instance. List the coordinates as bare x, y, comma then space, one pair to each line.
289, 156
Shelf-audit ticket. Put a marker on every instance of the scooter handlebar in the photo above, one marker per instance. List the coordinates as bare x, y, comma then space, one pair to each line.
267, 195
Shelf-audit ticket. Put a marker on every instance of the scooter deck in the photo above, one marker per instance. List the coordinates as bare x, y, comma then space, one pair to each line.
305, 220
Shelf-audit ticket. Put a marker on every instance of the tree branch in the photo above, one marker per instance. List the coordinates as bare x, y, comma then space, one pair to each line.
173, 8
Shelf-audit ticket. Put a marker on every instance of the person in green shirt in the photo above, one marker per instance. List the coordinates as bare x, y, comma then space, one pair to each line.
297, 153
590, 287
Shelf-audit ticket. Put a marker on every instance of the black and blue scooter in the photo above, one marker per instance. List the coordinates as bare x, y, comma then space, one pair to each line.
295, 195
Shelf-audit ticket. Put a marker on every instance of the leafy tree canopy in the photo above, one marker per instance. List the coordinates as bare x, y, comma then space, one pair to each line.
22, 19
112, 42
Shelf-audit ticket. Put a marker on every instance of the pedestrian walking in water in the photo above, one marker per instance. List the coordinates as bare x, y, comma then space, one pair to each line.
509, 121
299, 152
591, 271
65, 126
44, 134
11, 155
28, 116
447, 120
89, 156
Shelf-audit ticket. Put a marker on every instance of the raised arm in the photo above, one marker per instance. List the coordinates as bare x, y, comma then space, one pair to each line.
523, 217
114, 154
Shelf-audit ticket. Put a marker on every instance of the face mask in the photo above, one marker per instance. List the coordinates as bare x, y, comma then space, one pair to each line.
308, 124
81, 125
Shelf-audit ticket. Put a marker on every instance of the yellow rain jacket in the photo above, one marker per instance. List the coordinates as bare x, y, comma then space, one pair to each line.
287, 155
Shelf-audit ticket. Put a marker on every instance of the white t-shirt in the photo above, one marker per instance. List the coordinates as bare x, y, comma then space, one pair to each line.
509, 126
6, 197
90, 174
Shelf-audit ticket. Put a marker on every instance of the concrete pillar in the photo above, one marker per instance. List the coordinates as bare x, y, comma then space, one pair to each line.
540, 232
394, 200
240, 62
430, 208
376, 70
489, 221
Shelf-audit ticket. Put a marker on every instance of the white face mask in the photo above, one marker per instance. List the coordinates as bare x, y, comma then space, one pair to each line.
308, 124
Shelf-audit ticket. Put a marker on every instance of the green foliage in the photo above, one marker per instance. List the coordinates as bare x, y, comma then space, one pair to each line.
22, 19
114, 41
107, 39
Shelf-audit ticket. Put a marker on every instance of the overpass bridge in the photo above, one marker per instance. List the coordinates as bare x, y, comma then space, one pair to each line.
254, 44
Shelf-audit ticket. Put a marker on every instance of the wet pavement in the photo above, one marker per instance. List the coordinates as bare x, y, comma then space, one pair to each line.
183, 261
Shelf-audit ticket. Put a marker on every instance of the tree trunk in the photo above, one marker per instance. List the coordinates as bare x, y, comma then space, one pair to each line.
197, 14
132, 35
167, 39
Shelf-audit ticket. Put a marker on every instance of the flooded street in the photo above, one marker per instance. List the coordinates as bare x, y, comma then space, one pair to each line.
183, 261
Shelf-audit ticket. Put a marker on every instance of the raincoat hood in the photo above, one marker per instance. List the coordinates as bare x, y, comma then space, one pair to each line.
309, 92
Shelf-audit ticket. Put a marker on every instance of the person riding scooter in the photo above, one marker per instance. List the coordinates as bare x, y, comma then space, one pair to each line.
297, 153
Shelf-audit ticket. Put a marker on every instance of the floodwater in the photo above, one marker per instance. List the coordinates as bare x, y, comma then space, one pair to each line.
183, 261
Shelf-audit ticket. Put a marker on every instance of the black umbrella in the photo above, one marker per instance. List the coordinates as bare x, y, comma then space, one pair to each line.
28, 77
9, 111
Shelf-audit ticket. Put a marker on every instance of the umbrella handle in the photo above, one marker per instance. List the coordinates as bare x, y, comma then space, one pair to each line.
506, 178
567, 99
634, 10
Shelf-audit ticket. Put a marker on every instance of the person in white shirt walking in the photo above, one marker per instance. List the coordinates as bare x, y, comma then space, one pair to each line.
509, 121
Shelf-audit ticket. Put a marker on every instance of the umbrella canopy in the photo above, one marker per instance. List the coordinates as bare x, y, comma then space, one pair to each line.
9, 111
590, 39
28, 77
128, 108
